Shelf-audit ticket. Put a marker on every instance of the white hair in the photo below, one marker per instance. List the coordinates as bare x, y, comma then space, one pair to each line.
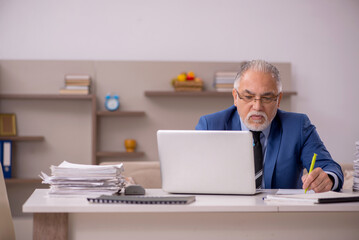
260, 66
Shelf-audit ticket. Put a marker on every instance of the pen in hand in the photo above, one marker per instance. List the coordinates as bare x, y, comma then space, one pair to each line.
311, 167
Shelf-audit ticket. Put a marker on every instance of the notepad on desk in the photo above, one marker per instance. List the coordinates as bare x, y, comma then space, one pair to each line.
143, 199
326, 197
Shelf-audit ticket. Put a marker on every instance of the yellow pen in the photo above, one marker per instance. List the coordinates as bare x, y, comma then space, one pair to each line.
311, 167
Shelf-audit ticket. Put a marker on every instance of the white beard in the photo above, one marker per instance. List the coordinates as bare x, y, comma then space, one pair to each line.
261, 127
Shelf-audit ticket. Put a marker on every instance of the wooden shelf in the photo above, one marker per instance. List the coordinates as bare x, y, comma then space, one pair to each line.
121, 113
56, 96
120, 154
22, 180
198, 94
46, 97
22, 138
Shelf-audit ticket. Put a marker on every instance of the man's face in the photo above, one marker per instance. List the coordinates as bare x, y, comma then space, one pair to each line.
257, 114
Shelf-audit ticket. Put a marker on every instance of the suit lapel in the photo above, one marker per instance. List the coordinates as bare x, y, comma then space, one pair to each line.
274, 141
234, 123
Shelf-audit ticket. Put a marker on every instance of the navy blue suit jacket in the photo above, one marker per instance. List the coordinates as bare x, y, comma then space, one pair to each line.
291, 143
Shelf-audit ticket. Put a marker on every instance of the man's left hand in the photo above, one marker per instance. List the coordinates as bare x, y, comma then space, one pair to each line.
317, 180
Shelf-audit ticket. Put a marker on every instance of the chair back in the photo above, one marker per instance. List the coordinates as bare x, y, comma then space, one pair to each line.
145, 173
7, 231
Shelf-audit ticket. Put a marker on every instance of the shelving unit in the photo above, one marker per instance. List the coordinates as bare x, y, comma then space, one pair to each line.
94, 116
91, 98
22, 139
110, 154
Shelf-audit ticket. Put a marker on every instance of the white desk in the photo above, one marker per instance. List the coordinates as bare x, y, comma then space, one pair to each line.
209, 217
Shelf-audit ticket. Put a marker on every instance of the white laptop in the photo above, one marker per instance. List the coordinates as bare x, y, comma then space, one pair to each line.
206, 162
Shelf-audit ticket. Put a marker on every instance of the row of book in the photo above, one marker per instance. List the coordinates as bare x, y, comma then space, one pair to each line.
70, 179
223, 81
76, 84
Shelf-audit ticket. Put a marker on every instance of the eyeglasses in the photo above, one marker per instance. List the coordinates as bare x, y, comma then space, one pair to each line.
251, 98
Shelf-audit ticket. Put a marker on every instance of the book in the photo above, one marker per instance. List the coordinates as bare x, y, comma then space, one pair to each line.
226, 74
77, 80
76, 87
74, 91
77, 83
5, 155
77, 77
224, 85
325, 197
143, 199
224, 89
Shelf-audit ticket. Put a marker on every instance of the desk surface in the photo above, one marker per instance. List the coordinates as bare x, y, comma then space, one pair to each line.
40, 202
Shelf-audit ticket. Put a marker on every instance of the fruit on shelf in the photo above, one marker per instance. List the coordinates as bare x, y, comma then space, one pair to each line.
187, 81
190, 76
182, 77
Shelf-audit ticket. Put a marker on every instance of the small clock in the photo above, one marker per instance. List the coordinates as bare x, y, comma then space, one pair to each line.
112, 103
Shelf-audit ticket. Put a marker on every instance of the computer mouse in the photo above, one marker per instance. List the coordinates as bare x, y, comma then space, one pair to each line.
134, 190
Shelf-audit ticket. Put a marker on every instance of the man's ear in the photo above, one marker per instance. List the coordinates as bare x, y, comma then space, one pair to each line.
279, 98
235, 97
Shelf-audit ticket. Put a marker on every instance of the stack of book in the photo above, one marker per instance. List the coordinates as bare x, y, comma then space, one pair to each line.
223, 81
69, 179
356, 168
76, 84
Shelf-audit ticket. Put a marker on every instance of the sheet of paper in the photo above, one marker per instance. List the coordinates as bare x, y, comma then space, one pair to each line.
329, 194
309, 198
292, 191
66, 164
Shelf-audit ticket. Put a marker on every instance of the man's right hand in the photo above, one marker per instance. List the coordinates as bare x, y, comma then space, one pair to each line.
317, 180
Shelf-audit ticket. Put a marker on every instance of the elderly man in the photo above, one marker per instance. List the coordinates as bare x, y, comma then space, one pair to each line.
284, 142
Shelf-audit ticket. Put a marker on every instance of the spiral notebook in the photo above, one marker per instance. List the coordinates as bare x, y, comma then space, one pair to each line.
143, 199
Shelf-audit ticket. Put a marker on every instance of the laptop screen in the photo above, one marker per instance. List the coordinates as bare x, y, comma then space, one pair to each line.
212, 162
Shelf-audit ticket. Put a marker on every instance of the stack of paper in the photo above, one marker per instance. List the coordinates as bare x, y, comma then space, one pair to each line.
356, 168
70, 179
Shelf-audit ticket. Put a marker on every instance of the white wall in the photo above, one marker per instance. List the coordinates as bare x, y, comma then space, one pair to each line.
320, 38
